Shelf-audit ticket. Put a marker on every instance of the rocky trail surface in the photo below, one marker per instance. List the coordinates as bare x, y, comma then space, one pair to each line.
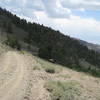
16, 77
18, 80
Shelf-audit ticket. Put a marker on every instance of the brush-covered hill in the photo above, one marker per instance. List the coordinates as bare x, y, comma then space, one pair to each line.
50, 44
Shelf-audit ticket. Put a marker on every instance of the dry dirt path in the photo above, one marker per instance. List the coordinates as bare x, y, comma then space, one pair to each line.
14, 76
18, 80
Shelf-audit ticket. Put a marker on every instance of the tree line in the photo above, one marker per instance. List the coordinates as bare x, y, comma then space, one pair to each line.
53, 44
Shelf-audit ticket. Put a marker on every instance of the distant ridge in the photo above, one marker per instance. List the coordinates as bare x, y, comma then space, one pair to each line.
91, 46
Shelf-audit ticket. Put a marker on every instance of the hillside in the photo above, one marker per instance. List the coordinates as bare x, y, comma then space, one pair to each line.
24, 76
47, 43
27, 77
91, 46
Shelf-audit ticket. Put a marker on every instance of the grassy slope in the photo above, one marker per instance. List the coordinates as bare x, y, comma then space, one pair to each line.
67, 84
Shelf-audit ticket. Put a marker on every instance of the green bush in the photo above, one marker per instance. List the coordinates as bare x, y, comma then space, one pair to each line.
50, 70
49, 67
64, 90
13, 42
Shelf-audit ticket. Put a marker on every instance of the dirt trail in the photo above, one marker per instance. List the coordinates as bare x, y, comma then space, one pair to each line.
14, 76
20, 78
18, 81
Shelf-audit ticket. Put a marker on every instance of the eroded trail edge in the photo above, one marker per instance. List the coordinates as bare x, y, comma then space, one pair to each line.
15, 76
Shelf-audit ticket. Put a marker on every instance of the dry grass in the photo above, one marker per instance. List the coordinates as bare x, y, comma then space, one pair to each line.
4, 48
67, 84
69, 90
49, 67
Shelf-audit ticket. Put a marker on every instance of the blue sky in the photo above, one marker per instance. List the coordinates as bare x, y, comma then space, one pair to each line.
77, 18
88, 14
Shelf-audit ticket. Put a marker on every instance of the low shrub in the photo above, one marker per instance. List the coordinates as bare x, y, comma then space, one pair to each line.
64, 90
50, 70
49, 67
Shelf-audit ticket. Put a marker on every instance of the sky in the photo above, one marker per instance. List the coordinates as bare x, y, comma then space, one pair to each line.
76, 18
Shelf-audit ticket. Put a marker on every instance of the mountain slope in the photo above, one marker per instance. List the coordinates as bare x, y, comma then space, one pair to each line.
52, 44
25, 77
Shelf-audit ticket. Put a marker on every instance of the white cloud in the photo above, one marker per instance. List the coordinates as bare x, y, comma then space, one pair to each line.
77, 4
8, 0
82, 9
53, 8
84, 28
34, 4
